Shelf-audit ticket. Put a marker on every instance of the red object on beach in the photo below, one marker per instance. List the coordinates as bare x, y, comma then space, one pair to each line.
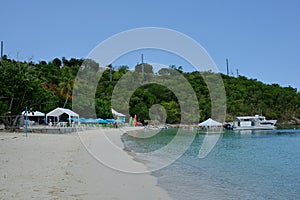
134, 122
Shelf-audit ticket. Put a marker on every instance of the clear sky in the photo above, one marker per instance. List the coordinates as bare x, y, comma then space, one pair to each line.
261, 38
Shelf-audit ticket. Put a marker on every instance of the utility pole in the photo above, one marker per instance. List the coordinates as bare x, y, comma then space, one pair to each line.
1, 50
227, 67
110, 73
142, 64
237, 72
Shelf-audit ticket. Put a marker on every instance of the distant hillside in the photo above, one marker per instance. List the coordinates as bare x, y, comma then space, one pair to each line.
46, 85
249, 96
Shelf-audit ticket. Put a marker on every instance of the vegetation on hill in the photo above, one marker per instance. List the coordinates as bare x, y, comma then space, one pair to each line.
45, 85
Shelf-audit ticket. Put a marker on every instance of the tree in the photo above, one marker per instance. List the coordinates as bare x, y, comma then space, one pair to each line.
103, 109
179, 68
66, 86
21, 88
46, 85
144, 68
57, 62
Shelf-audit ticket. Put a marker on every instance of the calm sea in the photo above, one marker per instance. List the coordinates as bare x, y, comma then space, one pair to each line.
242, 165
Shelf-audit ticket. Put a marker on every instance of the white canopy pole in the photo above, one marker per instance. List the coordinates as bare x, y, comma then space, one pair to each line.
69, 119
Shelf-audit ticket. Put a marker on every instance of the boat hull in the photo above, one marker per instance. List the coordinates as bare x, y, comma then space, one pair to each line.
255, 128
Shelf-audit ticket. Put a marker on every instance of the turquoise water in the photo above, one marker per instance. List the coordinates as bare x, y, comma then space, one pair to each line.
242, 165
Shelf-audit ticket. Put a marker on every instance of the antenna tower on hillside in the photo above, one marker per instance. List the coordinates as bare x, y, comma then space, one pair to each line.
1, 50
142, 64
227, 67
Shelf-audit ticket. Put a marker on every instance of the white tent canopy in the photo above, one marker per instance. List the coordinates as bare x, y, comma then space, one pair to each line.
117, 113
34, 114
210, 122
118, 116
57, 112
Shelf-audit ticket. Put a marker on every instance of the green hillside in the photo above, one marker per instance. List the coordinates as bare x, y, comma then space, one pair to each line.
44, 86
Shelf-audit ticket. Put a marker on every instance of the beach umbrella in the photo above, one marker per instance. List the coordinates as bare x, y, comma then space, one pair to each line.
101, 121
134, 122
75, 119
72, 119
82, 120
90, 120
111, 120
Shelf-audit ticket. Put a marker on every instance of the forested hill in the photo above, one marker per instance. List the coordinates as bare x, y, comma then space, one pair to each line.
249, 96
46, 85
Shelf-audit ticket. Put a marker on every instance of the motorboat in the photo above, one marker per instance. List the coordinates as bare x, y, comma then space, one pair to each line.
256, 122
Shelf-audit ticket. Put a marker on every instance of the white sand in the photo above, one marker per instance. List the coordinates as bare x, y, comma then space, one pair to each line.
57, 166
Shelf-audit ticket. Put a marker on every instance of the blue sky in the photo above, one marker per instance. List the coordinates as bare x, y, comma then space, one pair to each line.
261, 38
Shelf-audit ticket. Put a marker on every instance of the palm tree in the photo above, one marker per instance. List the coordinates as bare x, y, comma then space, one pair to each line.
66, 87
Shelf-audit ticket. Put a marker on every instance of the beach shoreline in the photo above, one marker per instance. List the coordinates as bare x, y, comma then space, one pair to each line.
57, 166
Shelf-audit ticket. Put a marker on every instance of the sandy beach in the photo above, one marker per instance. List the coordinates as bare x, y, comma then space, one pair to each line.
59, 166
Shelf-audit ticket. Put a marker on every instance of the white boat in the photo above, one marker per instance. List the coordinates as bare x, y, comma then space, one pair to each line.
256, 122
